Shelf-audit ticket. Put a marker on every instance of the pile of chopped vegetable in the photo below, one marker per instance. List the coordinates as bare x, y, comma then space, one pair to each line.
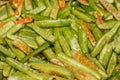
59, 39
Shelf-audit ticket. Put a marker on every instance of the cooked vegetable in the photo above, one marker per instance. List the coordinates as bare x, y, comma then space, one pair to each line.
59, 39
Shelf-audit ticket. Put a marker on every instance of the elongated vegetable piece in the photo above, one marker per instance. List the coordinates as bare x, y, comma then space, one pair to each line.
117, 3
71, 62
6, 70
64, 12
52, 69
37, 10
25, 69
19, 54
89, 34
7, 52
53, 23
22, 46
105, 39
82, 16
57, 46
97, 33
107, 25
37, 51
19, 8
30, 42
3, 13
83, 41
110, 8
6, 27
64, 44
49, 54
85, 61
71, 39
40, 40
48, 36
13, 30
9, 10
55, 10
112, 63
105, 55
28, 4
48, 9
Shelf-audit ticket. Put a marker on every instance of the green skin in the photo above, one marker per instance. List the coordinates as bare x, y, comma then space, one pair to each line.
112, 63
105, 39
47, 36
37, 51
53, 23
97, 33
30, 72
19, 54
5, 51
71, 62
49, 54
64, 44
52, 69
6, 27
83, 41
81, 15
105, 55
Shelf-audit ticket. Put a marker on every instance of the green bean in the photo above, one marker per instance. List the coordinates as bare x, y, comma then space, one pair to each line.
40, 40
82, 16
53, 23
48, 9
65, 12
6, 27
105, 55
38, 17
83, 41
28, 34
7, 52
107, 25
71, 62
90, 46
64, 44
9, 10
49, 54
71, 39
19, 54
48, 36
2, 65
28, 5
37, 10
22, 46
6, 70
117, 4
112, 63
105, 39
30, 42
55, 9
45, 45
3, 13
25, 69
97, 33
57, 46
52, 69
13, 30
